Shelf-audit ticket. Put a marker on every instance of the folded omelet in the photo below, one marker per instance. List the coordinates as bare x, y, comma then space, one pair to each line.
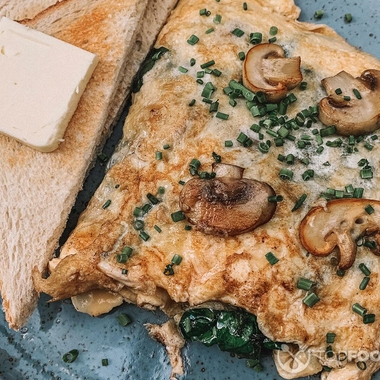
227, 187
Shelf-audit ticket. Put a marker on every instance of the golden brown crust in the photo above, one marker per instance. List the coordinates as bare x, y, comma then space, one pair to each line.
233, 270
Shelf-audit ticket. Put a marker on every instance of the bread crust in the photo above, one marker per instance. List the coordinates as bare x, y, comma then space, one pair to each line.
39, 190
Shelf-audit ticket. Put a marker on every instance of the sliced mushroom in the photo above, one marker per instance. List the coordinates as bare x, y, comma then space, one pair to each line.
96, 302
266, 69
228, 204
340, 224
350, 115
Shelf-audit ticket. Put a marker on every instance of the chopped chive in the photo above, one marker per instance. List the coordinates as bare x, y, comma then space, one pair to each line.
348, 17
182, 69
154, 200
308, 175
275, 198
176, 260
358, 192
104, 362
144, 236
328, 131
228, 143
329, 352
124, 319
273, 30
138, 211
102, 157
241, 55
304, 283
346, 98
299, 202
358, 309
71, 356
188, 227
214, 106
192, 102
203, 12
272, 40
217, 158
340, 272
208, 90
364, 283
238, 32
138, 225
208, 31
255, 38
124, 271
272, 259
106, 203
369, 318
178, 216
193, 39
127, 251
207, 64
216, 72
330, 337
245, 6
221, 115
168, 271
311, 299
303, 86
369, 209
166, 146
217, 19
366, 173
364, 269
289, 159
286, 174
318, 14
357, 93
263, 147
338, 91
158, 155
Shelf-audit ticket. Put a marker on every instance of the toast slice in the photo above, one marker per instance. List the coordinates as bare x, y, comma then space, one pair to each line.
38, 189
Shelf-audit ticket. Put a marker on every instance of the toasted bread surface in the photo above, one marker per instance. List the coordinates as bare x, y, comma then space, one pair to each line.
39, 190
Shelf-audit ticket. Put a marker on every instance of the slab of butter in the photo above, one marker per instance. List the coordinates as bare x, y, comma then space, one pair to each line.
41, 81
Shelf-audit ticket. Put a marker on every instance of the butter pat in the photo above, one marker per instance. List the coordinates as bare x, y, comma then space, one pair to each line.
41, 80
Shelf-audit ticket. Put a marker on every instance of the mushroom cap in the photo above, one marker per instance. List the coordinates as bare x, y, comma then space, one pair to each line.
339, 224
354, 116
267, 70
227, 206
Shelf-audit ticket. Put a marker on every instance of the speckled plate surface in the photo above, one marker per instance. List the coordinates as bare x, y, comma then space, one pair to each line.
36, 351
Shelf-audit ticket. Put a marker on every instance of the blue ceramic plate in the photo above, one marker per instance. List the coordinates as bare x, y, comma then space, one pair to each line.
36, 351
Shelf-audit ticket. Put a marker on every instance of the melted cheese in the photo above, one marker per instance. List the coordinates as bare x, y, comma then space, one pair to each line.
42, 79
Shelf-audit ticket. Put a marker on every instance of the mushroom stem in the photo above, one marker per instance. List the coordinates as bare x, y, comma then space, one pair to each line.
266, 69
227, 170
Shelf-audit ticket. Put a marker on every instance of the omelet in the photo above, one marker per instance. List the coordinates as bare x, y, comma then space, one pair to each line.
227, 188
